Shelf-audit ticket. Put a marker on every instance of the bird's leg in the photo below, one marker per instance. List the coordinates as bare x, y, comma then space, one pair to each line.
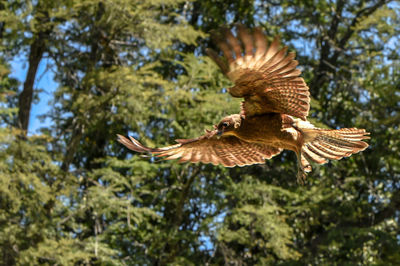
303, 167
301, 176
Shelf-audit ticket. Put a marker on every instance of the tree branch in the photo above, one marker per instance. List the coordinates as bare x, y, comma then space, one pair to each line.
184, 195
363, 13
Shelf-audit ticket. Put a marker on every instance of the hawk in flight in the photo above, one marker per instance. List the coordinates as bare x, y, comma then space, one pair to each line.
273, 115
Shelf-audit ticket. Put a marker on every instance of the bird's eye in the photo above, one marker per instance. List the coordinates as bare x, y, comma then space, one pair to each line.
225, 124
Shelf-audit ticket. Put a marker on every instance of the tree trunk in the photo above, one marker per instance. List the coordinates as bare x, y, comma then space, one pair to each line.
37, 49
25, 98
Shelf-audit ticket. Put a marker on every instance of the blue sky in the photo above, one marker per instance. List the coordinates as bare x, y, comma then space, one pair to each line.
44, 81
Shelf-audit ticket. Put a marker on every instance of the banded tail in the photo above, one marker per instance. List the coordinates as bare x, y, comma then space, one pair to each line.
321, 145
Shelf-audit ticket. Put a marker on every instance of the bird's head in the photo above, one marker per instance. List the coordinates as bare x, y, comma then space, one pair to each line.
228, 125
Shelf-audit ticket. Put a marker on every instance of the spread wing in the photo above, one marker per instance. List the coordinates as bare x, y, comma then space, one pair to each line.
227, 150
265, 76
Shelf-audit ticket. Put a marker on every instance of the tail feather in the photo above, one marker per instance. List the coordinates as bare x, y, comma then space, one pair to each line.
323, 144
331, 150
322, 151
313, 156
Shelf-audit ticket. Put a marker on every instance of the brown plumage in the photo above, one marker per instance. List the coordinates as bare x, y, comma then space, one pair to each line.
273, 114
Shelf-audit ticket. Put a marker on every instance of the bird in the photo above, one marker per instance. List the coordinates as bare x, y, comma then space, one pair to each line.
273, 114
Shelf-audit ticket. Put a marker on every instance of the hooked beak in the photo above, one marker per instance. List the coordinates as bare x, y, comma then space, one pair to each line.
219, 133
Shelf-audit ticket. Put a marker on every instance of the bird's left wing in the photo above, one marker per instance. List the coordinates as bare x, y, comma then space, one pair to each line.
265, 76
226, 150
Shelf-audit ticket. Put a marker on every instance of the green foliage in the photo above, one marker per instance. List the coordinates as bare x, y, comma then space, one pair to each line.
257, 222
71, 194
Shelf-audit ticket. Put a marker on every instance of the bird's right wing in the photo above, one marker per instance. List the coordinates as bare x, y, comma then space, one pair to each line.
226, 150
265, 76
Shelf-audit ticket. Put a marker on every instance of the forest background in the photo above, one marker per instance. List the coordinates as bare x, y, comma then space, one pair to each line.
71, 194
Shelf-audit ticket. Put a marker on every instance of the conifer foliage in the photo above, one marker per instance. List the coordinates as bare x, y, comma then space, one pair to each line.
71, 194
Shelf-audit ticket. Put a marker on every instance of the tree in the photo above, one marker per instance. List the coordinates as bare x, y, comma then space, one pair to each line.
72, 195
28, 27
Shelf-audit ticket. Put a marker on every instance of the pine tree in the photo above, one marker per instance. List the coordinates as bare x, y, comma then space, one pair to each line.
72, 194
